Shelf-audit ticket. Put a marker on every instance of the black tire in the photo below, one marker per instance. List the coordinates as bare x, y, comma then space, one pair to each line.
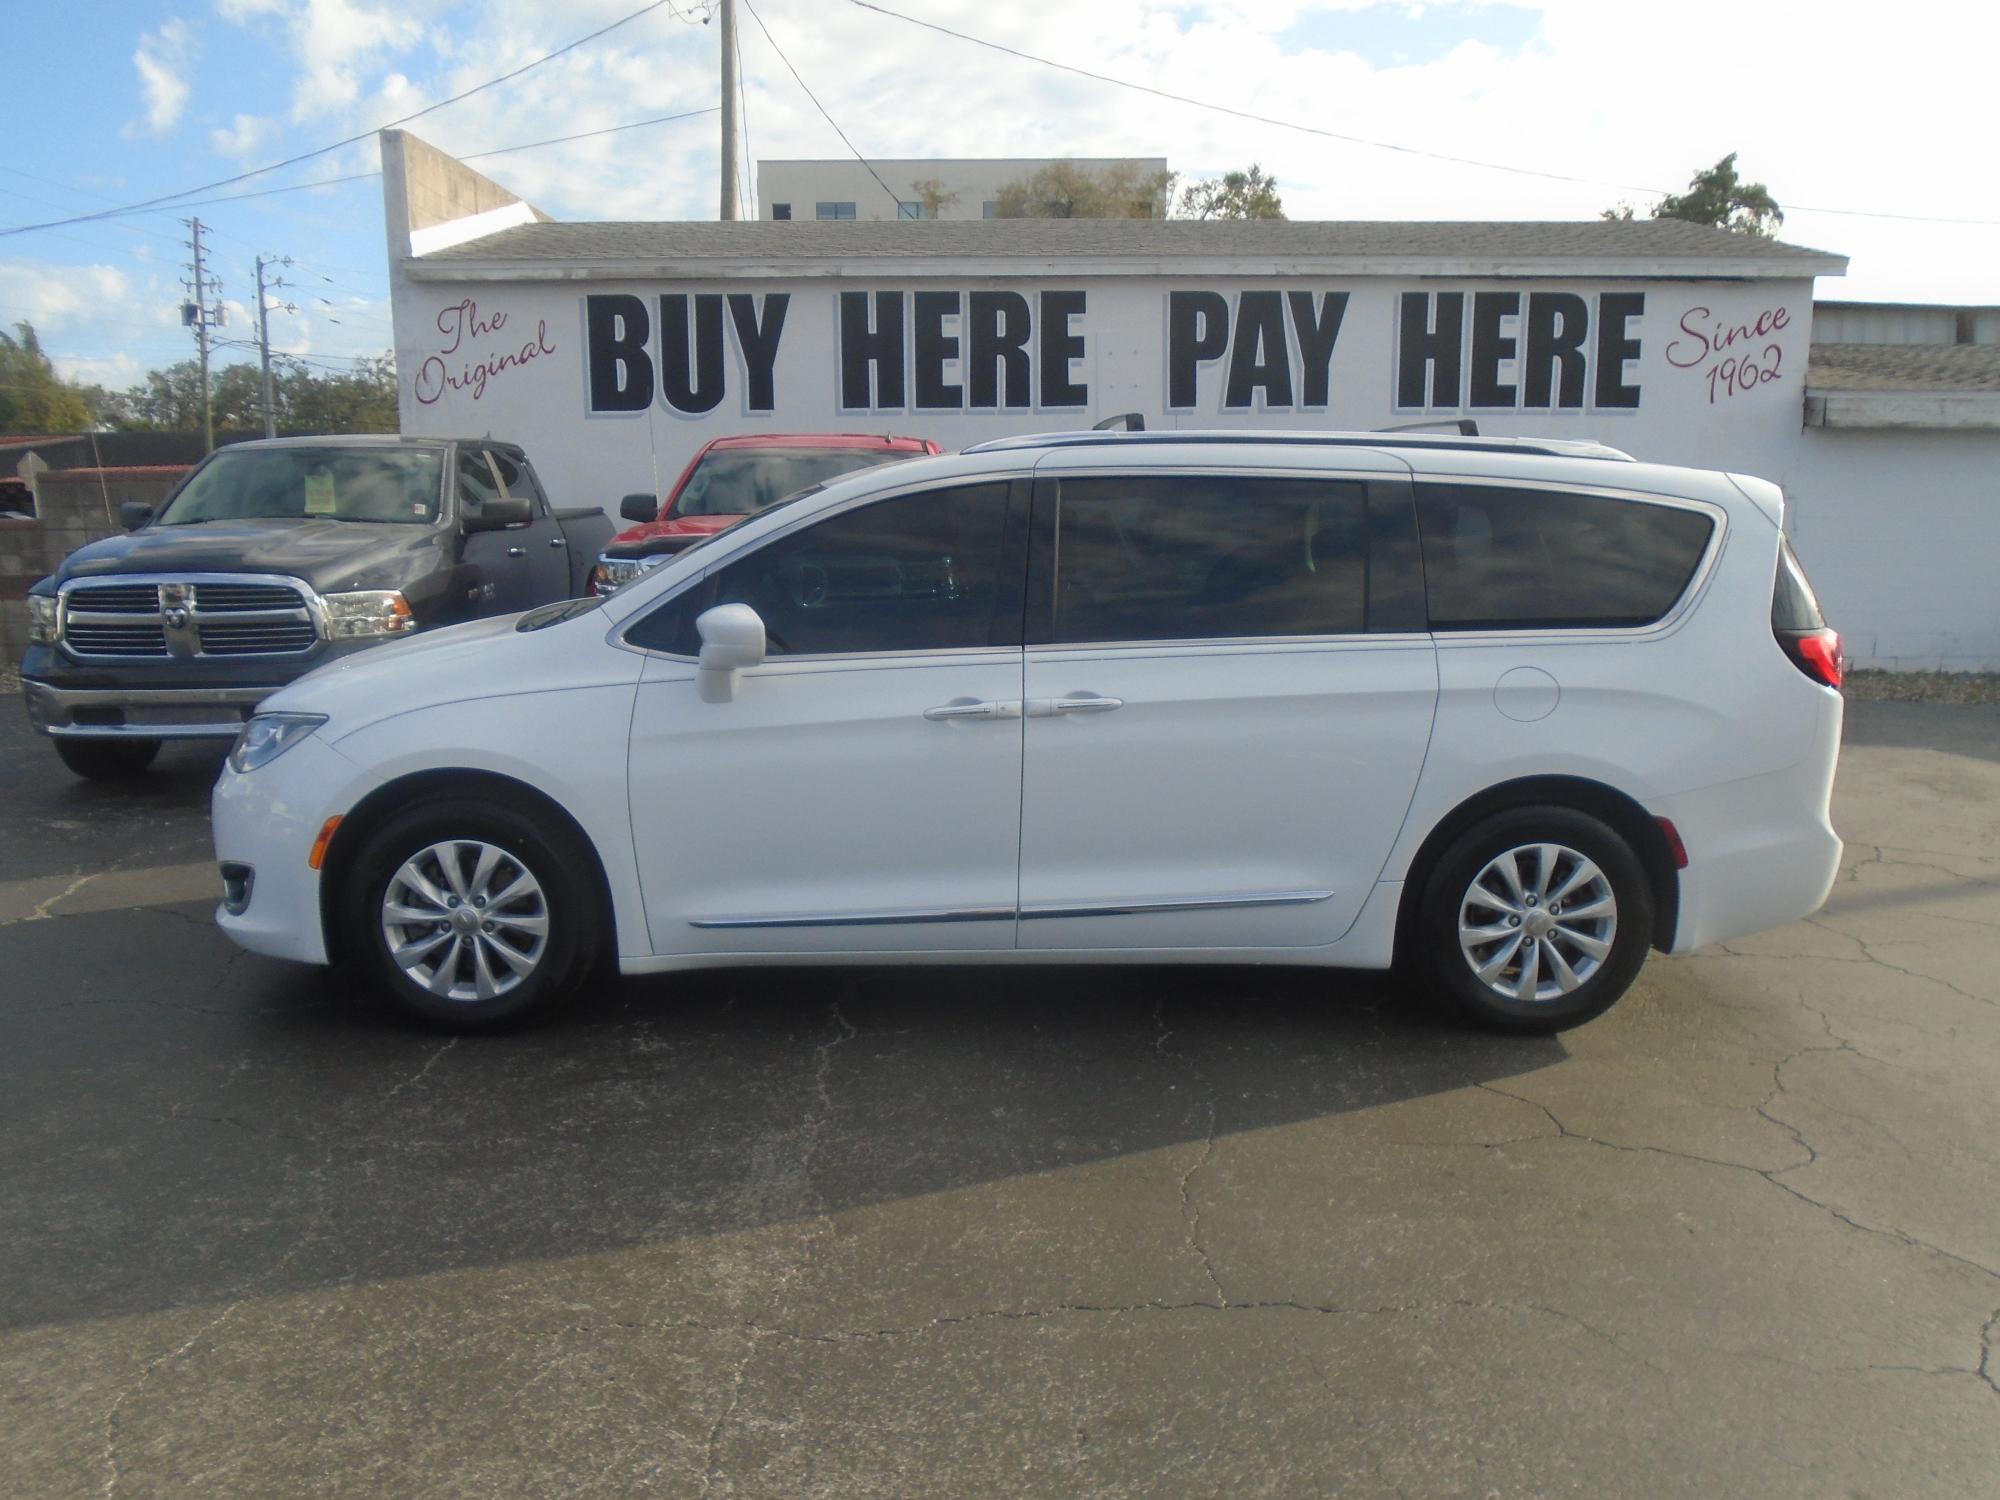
551, 854
1445, 967
107, 760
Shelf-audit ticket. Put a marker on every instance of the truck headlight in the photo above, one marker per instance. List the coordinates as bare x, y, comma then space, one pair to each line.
368, 612
612, 573
41, 620
268, 736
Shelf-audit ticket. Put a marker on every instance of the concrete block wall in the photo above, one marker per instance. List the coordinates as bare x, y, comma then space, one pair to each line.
73, 507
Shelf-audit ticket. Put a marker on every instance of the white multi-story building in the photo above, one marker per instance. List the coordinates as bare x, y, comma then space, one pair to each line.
920, 188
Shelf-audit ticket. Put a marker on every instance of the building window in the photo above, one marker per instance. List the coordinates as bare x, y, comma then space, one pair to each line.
781, 210
833, 210
911, 211
989, 209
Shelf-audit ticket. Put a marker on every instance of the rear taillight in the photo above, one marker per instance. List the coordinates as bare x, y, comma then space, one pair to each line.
1815, 653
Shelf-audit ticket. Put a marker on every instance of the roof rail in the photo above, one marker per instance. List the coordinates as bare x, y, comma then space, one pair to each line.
1544, 447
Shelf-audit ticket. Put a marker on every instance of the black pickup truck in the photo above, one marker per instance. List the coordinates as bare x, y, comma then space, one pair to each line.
273, 557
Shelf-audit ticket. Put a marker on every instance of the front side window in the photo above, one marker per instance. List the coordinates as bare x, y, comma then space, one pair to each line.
329, 484
475, 480
514, 477
1500, 558
917, 573
1199, 557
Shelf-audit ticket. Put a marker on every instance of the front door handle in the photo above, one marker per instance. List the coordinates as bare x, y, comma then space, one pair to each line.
1045, 708
517, 551
558, 541
991, 709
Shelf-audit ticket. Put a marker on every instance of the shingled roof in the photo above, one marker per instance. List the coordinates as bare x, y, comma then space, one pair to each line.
1640, 247
1904, 367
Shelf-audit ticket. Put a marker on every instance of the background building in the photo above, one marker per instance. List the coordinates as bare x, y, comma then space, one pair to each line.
924, 188
613, 350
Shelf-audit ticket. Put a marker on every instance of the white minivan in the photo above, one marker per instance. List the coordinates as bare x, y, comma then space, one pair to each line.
1502, 713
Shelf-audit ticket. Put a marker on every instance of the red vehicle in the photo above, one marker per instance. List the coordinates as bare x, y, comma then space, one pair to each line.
733, 477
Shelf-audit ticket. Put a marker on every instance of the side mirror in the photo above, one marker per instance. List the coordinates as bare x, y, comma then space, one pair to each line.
641, 508
135, 513
732, 637
498, 514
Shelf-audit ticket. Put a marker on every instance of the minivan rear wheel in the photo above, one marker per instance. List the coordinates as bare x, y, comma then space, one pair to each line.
1533, 920
471, 913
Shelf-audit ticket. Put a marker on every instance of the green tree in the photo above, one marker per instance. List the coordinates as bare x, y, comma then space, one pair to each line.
1717, 196
1234, 195
1066, 190
33, 398
304, 398
934, 196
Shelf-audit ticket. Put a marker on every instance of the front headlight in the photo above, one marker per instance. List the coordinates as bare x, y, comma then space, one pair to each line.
41, 620
268, 736
612, 573
367, 612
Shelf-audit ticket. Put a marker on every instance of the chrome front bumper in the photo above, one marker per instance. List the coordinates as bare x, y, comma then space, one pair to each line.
215, 713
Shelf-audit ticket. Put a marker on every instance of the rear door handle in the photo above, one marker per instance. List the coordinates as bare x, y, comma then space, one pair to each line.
517, 551
1045, 708
558, 541
991, 709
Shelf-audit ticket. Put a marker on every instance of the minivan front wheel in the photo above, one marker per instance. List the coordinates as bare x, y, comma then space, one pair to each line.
470, 913
1534, 919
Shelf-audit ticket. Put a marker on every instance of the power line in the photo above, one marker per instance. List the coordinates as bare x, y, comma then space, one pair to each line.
821, 107
300, 187
352, 139
1353, 140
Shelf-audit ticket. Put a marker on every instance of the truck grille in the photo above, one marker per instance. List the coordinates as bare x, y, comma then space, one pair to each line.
256, 637
136, 638
218, 598
201, 616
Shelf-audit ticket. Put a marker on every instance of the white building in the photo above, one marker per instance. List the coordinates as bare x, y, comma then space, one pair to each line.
611, 351
922, 188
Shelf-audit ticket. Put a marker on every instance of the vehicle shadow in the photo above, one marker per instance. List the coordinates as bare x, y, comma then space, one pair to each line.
165, 1148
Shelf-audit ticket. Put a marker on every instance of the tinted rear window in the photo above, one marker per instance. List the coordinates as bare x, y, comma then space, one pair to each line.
1793, 604
1499, 558
1191, 557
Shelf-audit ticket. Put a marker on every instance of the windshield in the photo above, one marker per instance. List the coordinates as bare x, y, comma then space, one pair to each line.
743, 481
326, 484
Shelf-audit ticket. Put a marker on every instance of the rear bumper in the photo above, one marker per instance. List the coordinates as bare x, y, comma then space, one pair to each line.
113, 713
1762, 851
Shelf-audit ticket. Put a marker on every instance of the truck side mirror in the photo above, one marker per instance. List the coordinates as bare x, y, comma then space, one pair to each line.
732, 637
640, 508
498, 514
134, 514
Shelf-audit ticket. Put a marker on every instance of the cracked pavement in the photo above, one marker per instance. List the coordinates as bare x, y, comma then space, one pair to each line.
956, 1232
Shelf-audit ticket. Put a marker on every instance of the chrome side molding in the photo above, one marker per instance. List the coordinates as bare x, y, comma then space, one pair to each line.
1008, 913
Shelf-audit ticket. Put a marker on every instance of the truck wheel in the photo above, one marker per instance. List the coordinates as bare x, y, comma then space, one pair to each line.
107, 760
471, 913
1534, 920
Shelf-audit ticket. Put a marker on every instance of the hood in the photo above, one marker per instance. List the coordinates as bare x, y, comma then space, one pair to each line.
678, 526
476, 660
328, 555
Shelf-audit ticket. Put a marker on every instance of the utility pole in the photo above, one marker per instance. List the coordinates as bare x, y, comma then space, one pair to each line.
198, 315
264, 336
732, 203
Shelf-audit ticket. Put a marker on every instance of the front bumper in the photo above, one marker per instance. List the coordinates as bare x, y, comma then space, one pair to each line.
265, 822
113, 713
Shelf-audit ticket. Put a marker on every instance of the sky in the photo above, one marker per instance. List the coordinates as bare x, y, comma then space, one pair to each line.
1851, 113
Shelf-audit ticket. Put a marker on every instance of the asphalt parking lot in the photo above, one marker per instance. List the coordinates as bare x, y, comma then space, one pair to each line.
949, 1233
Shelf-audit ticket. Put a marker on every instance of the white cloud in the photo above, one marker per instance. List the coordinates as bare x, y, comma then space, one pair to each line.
162, 60
241, 136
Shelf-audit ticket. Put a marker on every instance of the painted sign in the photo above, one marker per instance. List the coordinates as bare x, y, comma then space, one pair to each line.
1704, 373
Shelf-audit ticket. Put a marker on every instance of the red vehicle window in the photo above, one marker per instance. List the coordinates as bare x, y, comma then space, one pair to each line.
740, 481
